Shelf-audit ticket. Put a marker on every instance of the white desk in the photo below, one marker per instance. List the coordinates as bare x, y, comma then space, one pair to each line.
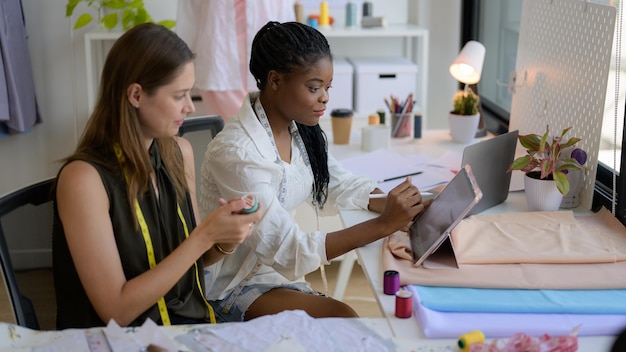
434, 143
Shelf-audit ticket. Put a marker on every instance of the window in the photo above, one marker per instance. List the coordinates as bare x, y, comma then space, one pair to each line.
496, 24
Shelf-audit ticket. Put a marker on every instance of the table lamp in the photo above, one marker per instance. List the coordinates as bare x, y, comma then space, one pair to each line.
467, 69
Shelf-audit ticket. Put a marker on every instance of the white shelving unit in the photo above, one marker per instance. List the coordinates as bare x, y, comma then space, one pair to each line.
96, 47
415, 48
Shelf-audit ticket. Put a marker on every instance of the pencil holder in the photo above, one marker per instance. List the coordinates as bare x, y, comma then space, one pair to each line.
401, 125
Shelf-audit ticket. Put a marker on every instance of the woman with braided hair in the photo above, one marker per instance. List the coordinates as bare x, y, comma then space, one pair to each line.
275, 150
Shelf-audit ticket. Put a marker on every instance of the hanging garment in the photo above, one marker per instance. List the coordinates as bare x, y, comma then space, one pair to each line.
220, 32
18, 104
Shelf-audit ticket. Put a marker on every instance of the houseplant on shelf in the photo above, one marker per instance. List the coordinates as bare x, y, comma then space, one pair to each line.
464, 117
548, 161
111, 12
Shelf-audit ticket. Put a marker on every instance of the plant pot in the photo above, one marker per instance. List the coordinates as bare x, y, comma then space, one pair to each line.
541, 194
463, 127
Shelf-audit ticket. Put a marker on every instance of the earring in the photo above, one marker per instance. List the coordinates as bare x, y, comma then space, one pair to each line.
137, 106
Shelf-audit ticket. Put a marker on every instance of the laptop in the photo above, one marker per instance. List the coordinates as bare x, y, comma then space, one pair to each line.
490, 159
432, 227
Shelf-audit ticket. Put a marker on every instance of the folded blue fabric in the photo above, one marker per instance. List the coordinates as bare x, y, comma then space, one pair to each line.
484, 300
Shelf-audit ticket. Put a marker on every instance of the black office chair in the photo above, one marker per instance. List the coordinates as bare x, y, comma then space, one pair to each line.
23, 210
199, 131
213, 123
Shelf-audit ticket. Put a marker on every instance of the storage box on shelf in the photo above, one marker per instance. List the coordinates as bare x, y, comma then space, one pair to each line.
342, 87
377, 78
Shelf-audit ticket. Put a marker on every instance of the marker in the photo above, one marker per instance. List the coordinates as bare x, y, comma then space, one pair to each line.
399, 177
384, 195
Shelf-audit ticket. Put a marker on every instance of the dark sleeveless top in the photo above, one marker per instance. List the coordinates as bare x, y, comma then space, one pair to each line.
184, 301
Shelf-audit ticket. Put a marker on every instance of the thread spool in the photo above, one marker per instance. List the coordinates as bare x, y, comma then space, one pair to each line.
313, 22
350, 14
324, 19
299, 10
404, 304
373, 119
391, 282
367, 9
381, 114
417, 125
466, 340
251, 205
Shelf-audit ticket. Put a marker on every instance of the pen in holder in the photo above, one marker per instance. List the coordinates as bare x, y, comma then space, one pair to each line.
401, 116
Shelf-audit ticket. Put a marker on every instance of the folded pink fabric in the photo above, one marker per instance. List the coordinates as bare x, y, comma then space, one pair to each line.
396, 255
539, 237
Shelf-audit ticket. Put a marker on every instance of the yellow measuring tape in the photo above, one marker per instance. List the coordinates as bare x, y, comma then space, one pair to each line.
165, 318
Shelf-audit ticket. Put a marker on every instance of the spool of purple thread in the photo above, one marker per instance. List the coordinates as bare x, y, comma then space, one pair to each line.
391, 282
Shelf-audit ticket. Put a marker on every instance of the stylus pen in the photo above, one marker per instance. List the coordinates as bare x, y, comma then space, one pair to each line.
384, 195
399, 177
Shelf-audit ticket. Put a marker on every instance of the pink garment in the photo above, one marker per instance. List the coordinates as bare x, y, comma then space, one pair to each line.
220, 32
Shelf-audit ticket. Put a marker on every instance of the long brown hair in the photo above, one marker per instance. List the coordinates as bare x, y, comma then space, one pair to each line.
152, 56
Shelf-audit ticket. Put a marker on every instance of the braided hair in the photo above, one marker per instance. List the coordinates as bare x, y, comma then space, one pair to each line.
285, 48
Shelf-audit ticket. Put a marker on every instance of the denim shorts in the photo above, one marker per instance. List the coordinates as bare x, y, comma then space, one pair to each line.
248, 295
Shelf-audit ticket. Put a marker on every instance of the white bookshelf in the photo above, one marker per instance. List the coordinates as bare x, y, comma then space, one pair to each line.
415, 48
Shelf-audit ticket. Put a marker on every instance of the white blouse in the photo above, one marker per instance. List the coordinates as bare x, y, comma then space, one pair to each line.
242, 160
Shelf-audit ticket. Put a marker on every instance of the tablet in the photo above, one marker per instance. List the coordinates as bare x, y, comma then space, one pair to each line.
433, 226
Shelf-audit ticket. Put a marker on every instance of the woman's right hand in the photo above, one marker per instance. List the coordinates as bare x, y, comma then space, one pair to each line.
227, 226
403, 204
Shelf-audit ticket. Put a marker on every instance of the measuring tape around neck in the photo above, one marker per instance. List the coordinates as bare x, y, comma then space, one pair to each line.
143, 225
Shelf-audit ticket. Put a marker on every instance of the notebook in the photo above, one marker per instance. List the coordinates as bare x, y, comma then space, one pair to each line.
431, 229
490, 160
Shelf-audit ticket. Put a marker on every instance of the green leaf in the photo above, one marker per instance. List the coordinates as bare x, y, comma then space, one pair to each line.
141, 16
114, 4
127, 19
168, 23
530, 142
109, 21
82, 21
561, 182
69, 7
520, 163
136, 4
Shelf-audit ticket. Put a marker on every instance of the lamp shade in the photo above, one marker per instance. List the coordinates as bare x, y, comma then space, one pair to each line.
469, 64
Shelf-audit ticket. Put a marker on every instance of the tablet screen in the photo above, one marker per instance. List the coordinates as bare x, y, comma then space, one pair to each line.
450, 206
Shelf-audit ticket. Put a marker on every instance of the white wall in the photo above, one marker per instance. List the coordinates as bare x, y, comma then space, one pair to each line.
58, 61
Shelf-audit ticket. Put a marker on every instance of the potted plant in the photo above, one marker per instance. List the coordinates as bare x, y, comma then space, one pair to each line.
464, 117
111, 12
545, 160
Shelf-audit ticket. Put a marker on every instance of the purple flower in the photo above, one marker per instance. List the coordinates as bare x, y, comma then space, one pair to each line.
580, 156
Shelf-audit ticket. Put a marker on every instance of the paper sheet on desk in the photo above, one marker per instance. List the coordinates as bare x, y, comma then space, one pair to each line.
289, 329
383, 164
